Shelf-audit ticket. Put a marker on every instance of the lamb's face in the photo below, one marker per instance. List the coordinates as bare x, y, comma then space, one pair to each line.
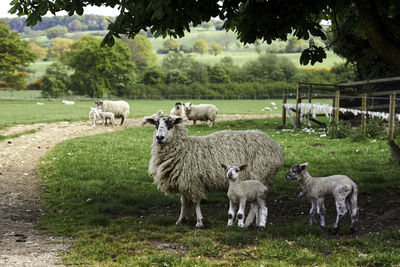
164, 128
295, 171
178, 105
232, 171
99, 104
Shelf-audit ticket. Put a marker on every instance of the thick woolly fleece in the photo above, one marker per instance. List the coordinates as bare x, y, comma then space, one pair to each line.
202, 112
191, 165
119, 108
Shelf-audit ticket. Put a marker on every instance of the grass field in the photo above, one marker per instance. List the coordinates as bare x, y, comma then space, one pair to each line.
119, 218
28, 112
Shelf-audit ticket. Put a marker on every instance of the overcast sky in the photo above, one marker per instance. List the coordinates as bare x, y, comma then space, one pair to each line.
106, 11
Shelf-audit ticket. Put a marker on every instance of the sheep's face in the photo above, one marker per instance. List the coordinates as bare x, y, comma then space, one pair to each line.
99, 104
232, 171
178, 105
164, 128
295, 171
188, 107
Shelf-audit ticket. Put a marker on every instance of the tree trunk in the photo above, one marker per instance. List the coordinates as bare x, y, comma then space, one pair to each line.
386, 48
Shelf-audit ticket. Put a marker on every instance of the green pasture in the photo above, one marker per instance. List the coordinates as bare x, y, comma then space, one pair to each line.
98, 192
28, 111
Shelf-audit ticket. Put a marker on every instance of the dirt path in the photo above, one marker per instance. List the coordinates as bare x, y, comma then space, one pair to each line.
21, 242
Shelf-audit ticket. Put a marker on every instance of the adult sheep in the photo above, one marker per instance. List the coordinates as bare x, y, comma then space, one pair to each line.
191, 165
119, 108
202, 112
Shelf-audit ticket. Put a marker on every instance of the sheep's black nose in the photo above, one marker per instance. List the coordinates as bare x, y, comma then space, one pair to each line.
159, 137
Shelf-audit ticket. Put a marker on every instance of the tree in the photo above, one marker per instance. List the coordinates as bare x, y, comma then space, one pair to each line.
176, 60
215, 49
55, 81
59, 46
98, 71
56, 31
295, 45
75, 25
38, 50
200, 46
171, 45
142, 54
15, 54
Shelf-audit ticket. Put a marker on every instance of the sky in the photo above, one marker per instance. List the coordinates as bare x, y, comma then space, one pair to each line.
105, 11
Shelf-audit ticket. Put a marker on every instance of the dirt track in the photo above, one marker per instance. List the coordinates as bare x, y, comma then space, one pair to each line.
21, 242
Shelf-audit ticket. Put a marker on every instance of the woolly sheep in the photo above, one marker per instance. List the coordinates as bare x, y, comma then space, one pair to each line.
202, 112
343, 189
67, 102
179, 110
119, 108
191, 165
107, 116
240, 192
94, 116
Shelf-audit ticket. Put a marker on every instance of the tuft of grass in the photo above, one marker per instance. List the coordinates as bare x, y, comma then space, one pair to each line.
103, 196
11, 136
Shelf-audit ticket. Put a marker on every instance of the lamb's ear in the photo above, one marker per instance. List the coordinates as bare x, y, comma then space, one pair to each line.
178, 120
303, 166
243, 167
151, 120
224, 166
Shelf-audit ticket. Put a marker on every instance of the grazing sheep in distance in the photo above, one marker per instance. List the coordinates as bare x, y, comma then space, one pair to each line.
94, 116
343, 189
179, 110
202, 112
120, 109
240, 192
67, 102
191, 165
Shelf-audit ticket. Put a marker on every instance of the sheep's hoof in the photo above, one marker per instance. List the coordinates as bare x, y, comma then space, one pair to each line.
199, 226
181, 221
260, 228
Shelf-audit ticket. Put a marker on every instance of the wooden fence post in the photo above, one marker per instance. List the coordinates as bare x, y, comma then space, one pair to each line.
392, 111
284, 101
364, 114
309, 102
337, 106
298, 100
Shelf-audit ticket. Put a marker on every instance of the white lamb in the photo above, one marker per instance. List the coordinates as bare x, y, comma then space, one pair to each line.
107, 116
179, 110
120, 109
191, 165
94, 116
343, 189
202, 112
240, 192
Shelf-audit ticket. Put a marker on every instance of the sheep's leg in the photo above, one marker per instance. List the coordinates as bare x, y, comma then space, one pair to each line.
182, 216
321, 212
194, 122
199, 216
341, 212
263, 214
122, 120
253, 212
313, 213
351, 203
211, 124
240, 215
231, 212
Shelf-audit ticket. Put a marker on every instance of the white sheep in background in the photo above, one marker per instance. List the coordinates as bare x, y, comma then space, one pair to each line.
343, 189
94, 116
191, 165
107, 116
120, 109
202, 112
39, 103
179, 110
267, 109
67, 102
240, 192
156, 115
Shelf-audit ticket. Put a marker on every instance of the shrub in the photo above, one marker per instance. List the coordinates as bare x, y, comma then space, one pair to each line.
339, 130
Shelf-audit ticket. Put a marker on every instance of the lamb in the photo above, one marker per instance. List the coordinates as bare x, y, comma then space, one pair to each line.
179, 110
120, 109
202, 112
107, 116
240, 192
191, 165
67, 102
343, 189
94, 115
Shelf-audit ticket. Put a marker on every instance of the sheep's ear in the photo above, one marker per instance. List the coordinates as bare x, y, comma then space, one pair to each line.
224, 166
151, 121
303, 166
178, 120
243, 167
